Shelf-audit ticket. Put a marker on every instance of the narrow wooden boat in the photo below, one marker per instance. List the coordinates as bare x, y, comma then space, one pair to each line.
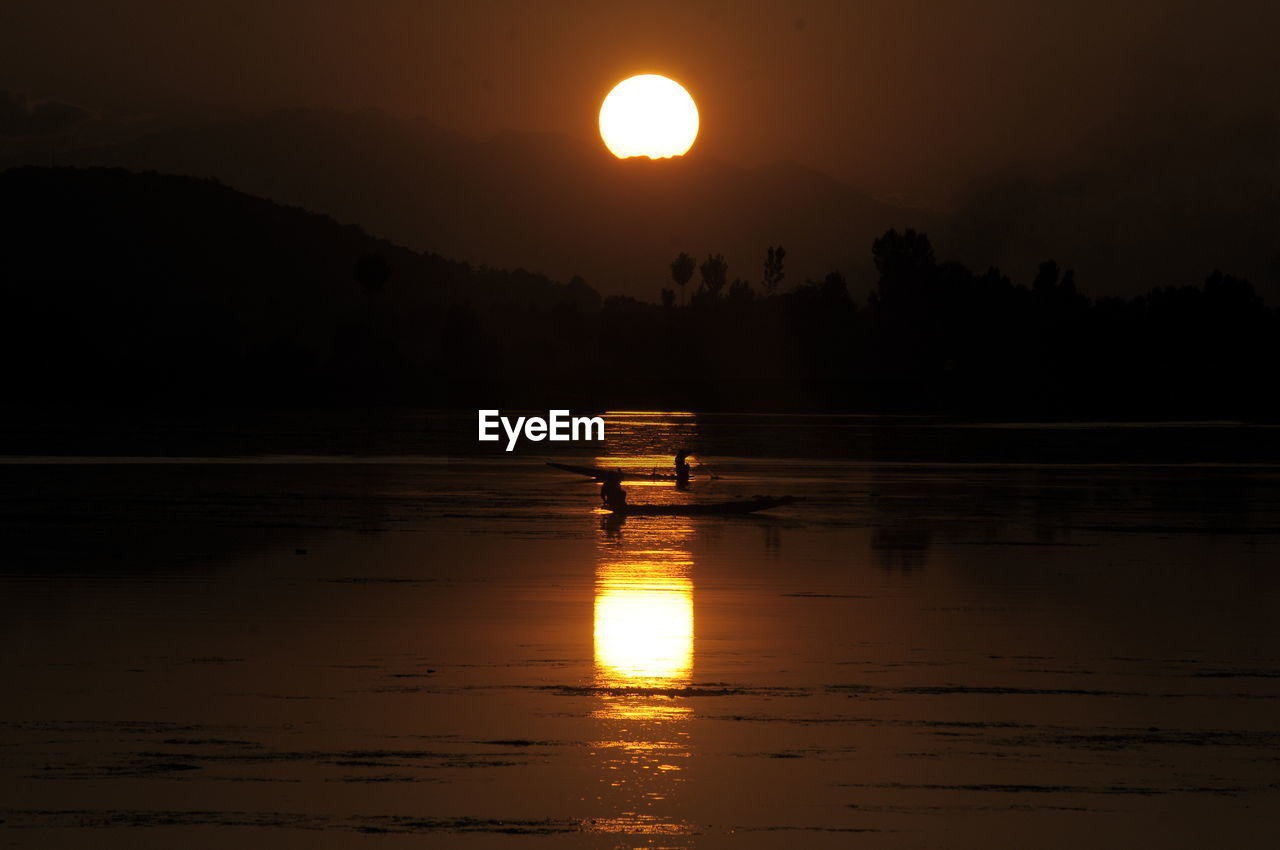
599, 472
741, 506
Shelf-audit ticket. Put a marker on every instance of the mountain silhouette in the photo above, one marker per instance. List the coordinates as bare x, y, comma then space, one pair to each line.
125, 289
138, 288
539, 201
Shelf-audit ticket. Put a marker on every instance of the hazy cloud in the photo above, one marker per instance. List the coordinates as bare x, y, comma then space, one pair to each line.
21, 116
1134, 212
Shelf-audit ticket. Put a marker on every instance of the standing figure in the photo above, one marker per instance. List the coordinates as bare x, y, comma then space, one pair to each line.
682, 468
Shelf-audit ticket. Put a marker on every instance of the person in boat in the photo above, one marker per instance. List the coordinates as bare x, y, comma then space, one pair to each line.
611, 492
682, 468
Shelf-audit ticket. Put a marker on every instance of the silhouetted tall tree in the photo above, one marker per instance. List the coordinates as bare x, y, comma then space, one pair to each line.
1046, 278
773, 273
682, 271
907, 268
715, 274
907, 297
834, 287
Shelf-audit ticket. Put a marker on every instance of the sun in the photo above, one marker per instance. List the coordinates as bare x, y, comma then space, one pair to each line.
648, 115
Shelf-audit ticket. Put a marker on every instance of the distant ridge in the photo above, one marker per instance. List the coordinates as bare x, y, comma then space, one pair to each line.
537, 200
137, 287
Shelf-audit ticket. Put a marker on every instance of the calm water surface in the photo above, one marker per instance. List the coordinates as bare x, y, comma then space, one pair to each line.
298, 652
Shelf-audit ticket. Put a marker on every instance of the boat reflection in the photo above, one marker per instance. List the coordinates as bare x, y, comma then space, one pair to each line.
644, 636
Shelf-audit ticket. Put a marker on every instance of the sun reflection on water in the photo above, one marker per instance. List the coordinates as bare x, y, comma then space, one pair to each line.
644, 639
644, 622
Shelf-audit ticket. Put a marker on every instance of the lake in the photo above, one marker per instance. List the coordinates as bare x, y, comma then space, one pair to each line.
964, 635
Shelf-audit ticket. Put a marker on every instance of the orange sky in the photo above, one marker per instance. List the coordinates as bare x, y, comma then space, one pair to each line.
902, 99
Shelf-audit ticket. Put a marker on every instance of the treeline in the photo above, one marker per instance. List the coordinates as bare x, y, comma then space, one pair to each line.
936, 336
144, 289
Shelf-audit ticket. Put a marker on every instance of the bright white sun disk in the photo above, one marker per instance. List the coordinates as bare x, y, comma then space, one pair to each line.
649, 115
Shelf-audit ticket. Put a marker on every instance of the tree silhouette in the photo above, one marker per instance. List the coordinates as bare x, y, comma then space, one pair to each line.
935, 336
907, 268
773, 273
834, 287
1046, 278
682, 271
715, 274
